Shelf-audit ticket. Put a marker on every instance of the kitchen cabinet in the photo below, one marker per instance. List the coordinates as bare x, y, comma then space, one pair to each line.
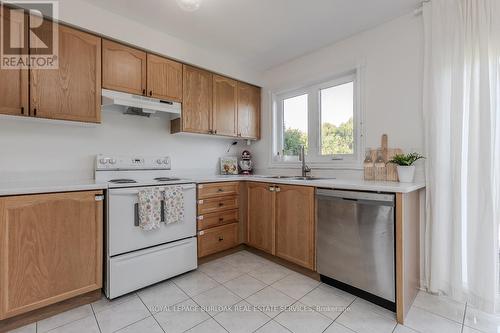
218, 217
164, 78
14, 83
261, 216
248, 111
224, 112
73, 90
133, 71
196, 114
217, 239
123, 68
295, 227
281, 221
51, 249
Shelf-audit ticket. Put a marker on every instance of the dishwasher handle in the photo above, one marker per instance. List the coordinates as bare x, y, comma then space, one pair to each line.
361, 197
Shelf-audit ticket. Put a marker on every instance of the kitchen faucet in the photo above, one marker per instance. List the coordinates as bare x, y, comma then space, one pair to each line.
302, 158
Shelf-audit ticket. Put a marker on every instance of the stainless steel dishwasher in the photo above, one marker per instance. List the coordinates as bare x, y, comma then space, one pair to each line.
355, 243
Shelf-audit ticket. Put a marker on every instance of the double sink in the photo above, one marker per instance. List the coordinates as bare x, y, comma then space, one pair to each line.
299, 177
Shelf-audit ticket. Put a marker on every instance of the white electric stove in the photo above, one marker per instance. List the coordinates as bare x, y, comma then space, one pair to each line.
136, 258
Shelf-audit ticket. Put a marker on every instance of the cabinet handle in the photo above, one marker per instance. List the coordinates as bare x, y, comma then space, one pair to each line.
144, 91
151, 93
221, 204
22, 109
221, 238
34, 112
220, 190
221, 219
215, 131
272, 188
277, 189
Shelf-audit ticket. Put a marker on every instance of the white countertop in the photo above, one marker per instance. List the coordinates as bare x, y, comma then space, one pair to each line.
53, 185
48, 186
342, 184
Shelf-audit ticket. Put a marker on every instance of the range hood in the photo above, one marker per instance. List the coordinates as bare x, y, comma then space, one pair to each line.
138, 105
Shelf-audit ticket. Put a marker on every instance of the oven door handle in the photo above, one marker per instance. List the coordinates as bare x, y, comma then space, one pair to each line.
135, 192
136, 213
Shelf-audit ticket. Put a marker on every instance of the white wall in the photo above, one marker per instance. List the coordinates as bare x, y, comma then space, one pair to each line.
30, 147
35, 147
392, 59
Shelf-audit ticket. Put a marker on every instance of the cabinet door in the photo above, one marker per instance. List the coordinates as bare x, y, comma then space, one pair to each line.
248, 111
261, 212
164, 78
197, 100
123, 68
14, 82
73, 91
295, 213
51, 249
224, 106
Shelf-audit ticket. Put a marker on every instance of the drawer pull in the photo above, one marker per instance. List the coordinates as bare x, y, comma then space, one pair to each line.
221, 238
221, 204
221, 219
220, 190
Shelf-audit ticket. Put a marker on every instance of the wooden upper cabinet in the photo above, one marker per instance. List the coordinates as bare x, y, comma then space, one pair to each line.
164, 78
295, 227
260, 216
123, 68
196, 102
224, 106
14, 83
73, 90
248, 111
50, 249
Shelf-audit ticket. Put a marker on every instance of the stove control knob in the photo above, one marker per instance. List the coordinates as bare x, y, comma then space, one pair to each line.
103, 160
112, 161
159, 161
165, 161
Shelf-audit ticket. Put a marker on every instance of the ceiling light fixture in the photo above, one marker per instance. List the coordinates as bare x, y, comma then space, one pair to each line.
189, 5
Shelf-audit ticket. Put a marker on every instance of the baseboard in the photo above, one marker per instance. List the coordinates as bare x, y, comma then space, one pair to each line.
48, 311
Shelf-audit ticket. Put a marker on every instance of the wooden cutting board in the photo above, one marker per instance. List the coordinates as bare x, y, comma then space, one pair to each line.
390, 172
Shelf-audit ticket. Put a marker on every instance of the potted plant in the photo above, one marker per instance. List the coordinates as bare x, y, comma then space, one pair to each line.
406, 169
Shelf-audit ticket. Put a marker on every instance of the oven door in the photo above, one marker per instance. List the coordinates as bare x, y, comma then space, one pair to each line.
125, 235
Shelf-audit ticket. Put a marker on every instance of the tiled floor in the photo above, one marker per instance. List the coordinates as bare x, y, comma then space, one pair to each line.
246, 293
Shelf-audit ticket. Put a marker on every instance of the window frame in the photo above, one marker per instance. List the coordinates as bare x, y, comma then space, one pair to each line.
314, 157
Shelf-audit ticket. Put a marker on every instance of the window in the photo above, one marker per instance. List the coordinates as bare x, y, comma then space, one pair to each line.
294, 124
324, 118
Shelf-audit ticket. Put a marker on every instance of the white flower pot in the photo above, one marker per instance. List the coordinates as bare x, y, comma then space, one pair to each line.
406, 174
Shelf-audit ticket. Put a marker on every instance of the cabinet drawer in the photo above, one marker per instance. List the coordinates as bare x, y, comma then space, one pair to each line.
214, 205
217, 239
216, 219
212, 190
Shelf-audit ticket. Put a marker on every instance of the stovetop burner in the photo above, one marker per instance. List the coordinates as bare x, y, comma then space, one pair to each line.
122, 181
165, 179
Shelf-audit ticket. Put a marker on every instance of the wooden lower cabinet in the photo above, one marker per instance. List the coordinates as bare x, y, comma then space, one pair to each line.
295, 227
50, 249
281, 221
213, 205
261, 216
217, 239
217, 219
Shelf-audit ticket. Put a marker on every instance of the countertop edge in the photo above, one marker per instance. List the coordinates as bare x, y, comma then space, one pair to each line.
341, 184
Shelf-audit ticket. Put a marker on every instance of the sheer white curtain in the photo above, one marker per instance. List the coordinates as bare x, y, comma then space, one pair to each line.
462, 129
